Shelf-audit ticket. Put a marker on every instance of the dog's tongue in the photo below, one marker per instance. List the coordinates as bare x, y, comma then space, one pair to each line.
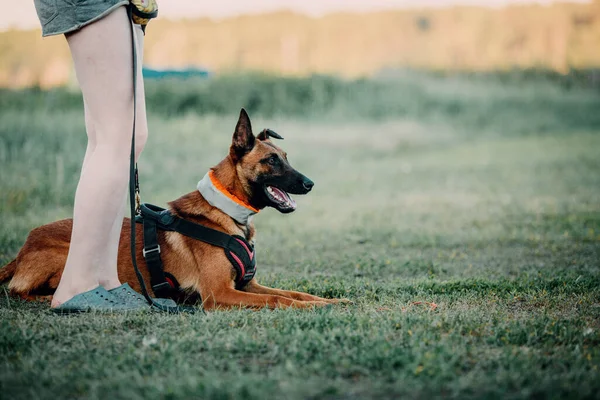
282, 197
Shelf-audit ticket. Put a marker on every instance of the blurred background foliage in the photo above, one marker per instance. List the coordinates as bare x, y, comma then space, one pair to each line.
551, 101
559, 37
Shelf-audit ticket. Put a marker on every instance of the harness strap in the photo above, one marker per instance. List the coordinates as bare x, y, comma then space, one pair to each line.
239, 252
158, 280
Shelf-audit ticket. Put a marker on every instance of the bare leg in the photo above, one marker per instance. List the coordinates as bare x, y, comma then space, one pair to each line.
102, 57
108, 276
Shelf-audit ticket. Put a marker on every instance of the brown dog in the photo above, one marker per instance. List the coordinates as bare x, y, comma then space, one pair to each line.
254, 175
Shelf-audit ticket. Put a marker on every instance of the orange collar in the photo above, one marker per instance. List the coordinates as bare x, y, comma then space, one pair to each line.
227, 193
218, 196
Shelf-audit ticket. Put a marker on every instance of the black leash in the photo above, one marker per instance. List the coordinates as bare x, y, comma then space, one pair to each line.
134, 189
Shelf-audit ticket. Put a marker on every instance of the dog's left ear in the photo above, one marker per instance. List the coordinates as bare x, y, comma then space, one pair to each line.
243, 138
267, 133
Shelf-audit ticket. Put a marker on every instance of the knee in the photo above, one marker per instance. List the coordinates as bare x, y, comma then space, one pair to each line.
141, 136
116, 139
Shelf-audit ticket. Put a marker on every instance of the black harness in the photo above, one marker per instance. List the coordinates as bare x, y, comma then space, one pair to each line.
238, 250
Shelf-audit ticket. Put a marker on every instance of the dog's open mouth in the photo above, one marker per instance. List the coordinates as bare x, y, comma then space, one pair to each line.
280, 199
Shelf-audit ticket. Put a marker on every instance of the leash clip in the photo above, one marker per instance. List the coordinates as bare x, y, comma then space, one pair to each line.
157, 248
138, 199
138, 203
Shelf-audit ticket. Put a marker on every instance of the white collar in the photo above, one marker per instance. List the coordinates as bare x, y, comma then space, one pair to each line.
218, 196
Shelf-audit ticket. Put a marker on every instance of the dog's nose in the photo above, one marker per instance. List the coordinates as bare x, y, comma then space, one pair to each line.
308, 184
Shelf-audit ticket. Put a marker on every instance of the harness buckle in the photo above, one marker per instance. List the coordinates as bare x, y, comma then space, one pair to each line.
157, 248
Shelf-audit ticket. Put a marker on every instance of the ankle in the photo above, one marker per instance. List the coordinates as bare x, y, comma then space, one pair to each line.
110, 283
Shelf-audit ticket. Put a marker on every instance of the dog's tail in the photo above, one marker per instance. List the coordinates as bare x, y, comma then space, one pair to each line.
8, 271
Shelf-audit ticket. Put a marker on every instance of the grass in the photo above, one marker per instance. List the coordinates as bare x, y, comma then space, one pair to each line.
492, 213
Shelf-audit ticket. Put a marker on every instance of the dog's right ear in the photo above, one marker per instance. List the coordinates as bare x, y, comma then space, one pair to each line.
243, 138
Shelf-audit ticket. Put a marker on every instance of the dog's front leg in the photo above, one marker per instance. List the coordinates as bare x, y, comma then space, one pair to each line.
229, 297
254, 287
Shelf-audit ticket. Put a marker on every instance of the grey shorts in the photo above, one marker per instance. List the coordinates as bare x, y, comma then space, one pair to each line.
63, 16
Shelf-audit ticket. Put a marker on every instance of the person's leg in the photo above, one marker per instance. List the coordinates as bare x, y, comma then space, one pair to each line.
102, 56
108, 276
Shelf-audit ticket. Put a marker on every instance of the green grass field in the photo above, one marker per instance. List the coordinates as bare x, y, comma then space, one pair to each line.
482, 197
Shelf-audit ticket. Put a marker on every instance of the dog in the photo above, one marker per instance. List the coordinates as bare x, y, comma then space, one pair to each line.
254, 175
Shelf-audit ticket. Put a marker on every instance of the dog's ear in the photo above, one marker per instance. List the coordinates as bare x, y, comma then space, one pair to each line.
267, 133
243, 138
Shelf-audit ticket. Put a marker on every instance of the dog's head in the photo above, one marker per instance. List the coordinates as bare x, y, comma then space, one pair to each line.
264, 170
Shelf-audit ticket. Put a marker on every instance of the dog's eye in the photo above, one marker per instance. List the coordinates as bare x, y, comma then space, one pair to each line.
273, 160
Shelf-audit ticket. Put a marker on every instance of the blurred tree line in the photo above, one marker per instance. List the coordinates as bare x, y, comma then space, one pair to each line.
559, 37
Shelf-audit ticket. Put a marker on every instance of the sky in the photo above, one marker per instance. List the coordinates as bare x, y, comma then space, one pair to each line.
21, 13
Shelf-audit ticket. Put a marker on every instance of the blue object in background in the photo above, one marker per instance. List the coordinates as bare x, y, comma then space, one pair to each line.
182, 73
